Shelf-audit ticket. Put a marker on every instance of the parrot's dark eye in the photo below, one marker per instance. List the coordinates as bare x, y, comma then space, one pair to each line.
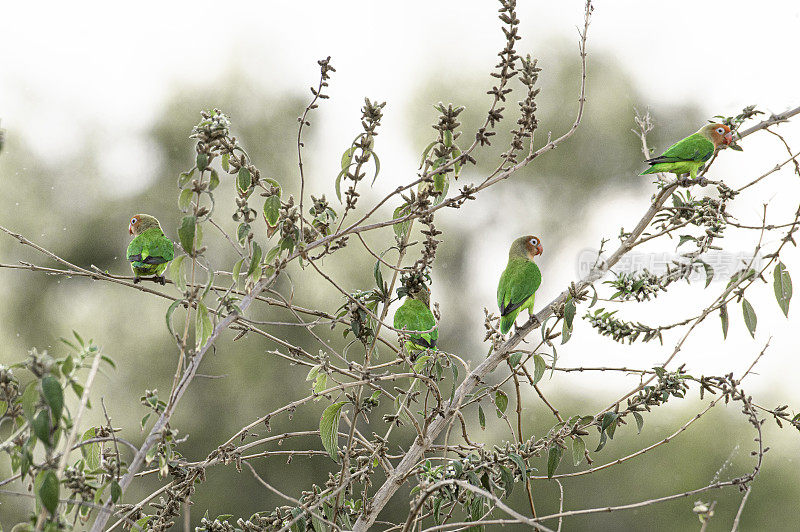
133, 221
534, 241
720, 130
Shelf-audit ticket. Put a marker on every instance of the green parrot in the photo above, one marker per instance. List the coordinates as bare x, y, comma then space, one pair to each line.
150, 251
689, 154
519, 281
415, 315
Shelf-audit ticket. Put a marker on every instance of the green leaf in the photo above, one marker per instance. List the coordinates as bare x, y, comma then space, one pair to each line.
226, 158
313, 372
243, 179
213, 182
186, 233
602, 443
569, 312
339, 184
185, 199
318, 525
553, 459
783, 287
639, 421
607, 421
377, 273
29, 399
566, 333
427, 150
448, 138
347, 157
255, 260
272, 210
750, 319
41, 426
539, 368
242, 231
90, 452
401, 228
329, 428
116, 491
175, 273
47, 492
184, 178
578, 449
709, 273
508, 480
439, 181
170, 310
202, 161
481, 418
237, 268
53, 396
141, 524
420, 363
514, 359
501, 401
377, 165
203, 325
300, 524
723, 314
67, 366
520, 463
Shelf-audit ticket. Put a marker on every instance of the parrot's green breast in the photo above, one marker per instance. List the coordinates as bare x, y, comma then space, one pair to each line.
517, 290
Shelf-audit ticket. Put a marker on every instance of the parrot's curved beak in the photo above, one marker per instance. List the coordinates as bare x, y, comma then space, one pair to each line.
728, 138
130, 230
539, 250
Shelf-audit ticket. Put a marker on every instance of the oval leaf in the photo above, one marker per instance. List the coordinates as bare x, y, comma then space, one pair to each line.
538, 368
329, 428
783, 287
202, 161
750, 319
501, 401
553, 459
186, 233
53, 396
243, 179
723, 314
578, 449
272, 210
91, 451
41, 426
48, 491
213, 182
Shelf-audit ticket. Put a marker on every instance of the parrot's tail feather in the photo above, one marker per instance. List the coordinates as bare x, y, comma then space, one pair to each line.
651, 170
506, 322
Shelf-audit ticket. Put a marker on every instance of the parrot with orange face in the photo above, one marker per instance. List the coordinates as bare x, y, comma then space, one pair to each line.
689, 154
519, 281
150, 250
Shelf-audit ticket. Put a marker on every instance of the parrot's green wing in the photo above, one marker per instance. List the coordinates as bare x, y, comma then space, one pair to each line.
414, 315
151, 247
693, 148
519, 282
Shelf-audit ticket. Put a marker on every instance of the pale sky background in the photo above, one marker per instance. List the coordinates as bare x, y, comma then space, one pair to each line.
67, 68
